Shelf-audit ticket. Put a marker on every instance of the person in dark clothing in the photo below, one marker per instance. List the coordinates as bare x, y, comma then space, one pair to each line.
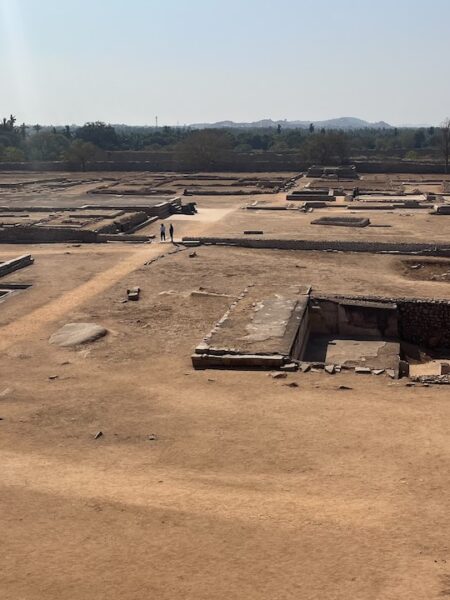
171, 230
163, 232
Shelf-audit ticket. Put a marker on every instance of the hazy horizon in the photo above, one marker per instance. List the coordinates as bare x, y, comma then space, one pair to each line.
203, 61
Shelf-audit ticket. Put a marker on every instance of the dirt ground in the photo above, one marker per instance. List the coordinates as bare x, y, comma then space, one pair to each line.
429, 270
208, 484
401, 225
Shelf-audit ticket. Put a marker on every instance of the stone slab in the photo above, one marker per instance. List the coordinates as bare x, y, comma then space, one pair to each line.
74, 334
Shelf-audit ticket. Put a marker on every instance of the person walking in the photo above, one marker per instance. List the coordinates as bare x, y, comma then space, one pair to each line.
163, 232
171, 230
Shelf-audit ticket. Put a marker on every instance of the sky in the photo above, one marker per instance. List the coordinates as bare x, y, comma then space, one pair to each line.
190, 61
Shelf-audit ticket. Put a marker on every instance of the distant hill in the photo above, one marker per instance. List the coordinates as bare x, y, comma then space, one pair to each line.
339, 123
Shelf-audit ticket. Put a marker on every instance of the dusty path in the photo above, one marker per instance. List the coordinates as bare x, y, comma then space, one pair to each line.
34, 321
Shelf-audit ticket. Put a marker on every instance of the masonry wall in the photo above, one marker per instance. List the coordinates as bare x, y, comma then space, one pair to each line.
420, 321
235, 161
425, 323
331, 246
14, 264
354, 319
20, 235
238, 162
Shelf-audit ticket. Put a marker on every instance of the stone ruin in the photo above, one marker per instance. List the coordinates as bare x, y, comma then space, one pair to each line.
340, 172
341, 221
9, 266
294, 328
94, 223
312, 195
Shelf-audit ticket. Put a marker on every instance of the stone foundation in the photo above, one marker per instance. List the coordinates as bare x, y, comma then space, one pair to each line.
419, 249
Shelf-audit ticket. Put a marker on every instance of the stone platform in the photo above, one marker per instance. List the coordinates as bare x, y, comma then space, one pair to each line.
258, 331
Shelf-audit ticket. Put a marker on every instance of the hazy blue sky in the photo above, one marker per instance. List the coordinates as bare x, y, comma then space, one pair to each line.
69, 61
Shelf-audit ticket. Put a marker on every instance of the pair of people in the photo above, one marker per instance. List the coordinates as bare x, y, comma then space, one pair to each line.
163, 232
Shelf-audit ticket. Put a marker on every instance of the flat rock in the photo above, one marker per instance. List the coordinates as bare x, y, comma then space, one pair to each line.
73, 334
133, 293
363, 370
278, 375
378, 371
330, 369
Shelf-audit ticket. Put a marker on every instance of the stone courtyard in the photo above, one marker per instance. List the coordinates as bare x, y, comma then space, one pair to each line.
274, 401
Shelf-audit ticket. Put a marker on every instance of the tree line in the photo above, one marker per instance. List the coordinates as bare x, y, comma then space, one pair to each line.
204, 147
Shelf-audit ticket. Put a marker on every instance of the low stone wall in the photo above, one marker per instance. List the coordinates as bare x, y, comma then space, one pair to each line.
129, 221
162, 210
234, 162
35, 166
441, 209
329, 246
344, 172
125, 237
14, 264
399, 166
35, 235
124, 223
340, 221
310, 197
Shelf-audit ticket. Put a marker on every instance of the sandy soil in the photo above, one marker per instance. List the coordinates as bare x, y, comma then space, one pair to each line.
208, 485
429, 270
401, 225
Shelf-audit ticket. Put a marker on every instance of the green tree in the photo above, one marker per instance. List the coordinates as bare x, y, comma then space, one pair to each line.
100, 134
419, 138
327, 148
11, 154
47, 145
204, 149
10, 135
8, 124
79, 152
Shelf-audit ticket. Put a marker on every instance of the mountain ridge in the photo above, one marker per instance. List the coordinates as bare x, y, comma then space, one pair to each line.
337, 123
